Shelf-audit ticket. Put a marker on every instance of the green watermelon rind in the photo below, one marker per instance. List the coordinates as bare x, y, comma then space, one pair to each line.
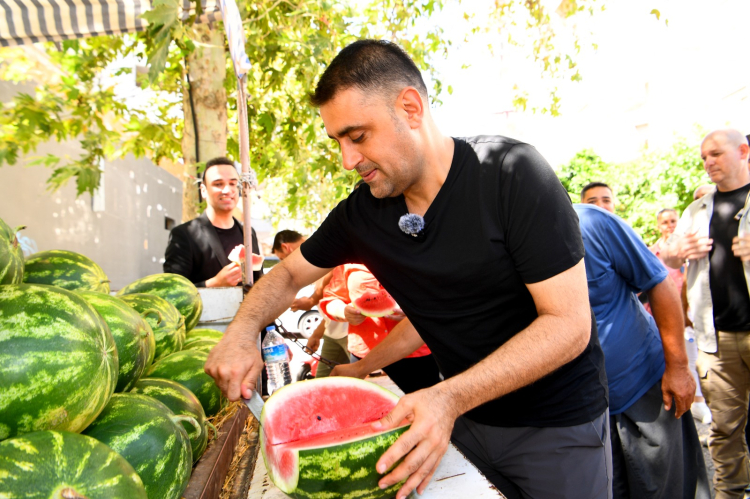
11, 256
168, 325
176, 289
341, 471
202, 333
203, 345
186, 368
36, 464
133, 336
58, 360
65, 269
146, 433
180, 400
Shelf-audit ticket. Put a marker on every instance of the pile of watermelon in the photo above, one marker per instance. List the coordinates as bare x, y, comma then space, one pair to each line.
98, 397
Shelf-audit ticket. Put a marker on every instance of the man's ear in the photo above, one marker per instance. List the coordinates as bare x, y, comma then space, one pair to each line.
410, 102
204, 191
744, 151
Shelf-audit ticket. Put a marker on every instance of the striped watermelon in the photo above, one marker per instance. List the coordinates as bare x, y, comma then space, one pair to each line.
202, 345
65, 269
150, 437
180, 400
174, 288
203, 333
63, 465
165, 320
58, 360
186, 368
317, 441
133, 336
11, 256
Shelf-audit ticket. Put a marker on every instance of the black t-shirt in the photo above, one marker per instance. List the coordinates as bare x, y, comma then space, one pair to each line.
500, 220
727, 275
230, 238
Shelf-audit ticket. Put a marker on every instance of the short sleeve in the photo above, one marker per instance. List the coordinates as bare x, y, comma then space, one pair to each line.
631, 258
541, 227
330, 245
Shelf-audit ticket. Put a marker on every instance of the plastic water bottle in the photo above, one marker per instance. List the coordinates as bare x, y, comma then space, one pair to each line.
276, 357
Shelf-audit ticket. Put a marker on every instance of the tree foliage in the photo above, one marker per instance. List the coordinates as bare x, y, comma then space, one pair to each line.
656, 180
289, 44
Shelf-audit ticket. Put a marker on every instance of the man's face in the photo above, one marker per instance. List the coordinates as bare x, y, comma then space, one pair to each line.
287, 249
375, 140
601, 197
219, 187
723, 161
666, 222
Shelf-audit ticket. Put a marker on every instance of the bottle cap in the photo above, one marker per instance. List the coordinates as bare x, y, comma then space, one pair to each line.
270, 328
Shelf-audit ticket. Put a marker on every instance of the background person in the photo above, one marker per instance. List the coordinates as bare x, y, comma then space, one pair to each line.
599, 194
712, 235
199, 249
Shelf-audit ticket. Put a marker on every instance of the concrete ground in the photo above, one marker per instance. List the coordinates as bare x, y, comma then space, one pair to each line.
703, 434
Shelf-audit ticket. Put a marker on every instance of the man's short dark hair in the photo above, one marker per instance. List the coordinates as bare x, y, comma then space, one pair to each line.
284, 237
221, 160
371, 65
591, 185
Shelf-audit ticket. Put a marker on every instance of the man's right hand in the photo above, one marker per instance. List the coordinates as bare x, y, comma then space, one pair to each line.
302, 303
229, 276
694, 246
350, 370
235, 366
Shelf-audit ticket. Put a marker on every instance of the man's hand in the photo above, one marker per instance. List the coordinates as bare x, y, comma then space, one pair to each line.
741, 248
231, 275
352, 370
432, 414
312, 344
397, 315
353, 316
235, 367
302, 303
678, 383
694, 246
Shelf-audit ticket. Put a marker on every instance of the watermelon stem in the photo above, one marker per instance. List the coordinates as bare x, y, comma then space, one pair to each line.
213, 429
15, 236
179, 418
160, 318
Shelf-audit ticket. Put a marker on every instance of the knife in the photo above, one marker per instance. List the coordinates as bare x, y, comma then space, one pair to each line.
255, 404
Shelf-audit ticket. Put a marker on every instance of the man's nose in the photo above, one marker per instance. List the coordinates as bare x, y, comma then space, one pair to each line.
227, 189
350, 156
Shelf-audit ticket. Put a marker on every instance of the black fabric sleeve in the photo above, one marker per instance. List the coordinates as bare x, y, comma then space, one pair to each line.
330, 245
178, 257
542, 231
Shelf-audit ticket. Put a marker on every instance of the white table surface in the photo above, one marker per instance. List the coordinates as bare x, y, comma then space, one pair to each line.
455, 477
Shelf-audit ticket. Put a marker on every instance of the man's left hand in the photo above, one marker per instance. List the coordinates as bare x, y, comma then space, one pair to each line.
432, 415
741, 248
678, 383
302, 303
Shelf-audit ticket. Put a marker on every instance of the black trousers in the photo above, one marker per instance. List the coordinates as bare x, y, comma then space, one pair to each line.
413, 373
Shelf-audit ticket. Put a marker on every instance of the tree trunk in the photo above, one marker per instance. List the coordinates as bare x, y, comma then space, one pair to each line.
206, 71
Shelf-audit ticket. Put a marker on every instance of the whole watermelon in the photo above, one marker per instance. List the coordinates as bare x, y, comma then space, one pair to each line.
180, 400
11, 256
63, 465
165, 320
186, 368
65, 269
202, 333
58, 360
148, 435
174, 288
133, 336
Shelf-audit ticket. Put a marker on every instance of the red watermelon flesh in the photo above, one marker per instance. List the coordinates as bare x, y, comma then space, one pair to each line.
376, 303
238, 256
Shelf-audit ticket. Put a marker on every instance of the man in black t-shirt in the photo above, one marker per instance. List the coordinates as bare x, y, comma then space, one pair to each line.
489, 271
713, 234
199, 249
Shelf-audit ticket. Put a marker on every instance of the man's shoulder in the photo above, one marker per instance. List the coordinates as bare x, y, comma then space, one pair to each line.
490, 146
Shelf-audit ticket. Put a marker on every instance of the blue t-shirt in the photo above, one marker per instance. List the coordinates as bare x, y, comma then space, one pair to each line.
619, 265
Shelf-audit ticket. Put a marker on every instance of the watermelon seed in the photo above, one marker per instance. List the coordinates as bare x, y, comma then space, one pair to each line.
319, 418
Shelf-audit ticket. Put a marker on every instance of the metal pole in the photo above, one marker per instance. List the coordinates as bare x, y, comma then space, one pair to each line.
246, 188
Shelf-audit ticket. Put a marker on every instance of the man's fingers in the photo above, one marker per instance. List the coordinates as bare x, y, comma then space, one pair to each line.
666, 397
417, 468
400, 448
248, 384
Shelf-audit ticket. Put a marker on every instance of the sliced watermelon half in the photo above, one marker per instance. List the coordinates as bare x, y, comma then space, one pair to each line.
376, 303
316, 438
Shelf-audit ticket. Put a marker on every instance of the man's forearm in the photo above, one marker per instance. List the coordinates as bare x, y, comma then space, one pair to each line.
403, 340
668, 314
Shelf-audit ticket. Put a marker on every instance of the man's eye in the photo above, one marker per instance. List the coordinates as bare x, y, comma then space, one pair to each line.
358, 139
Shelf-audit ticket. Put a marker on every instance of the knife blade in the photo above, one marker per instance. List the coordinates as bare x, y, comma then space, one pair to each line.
255, 404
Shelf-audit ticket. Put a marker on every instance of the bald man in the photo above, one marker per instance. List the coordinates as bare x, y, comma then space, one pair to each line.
713, 234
